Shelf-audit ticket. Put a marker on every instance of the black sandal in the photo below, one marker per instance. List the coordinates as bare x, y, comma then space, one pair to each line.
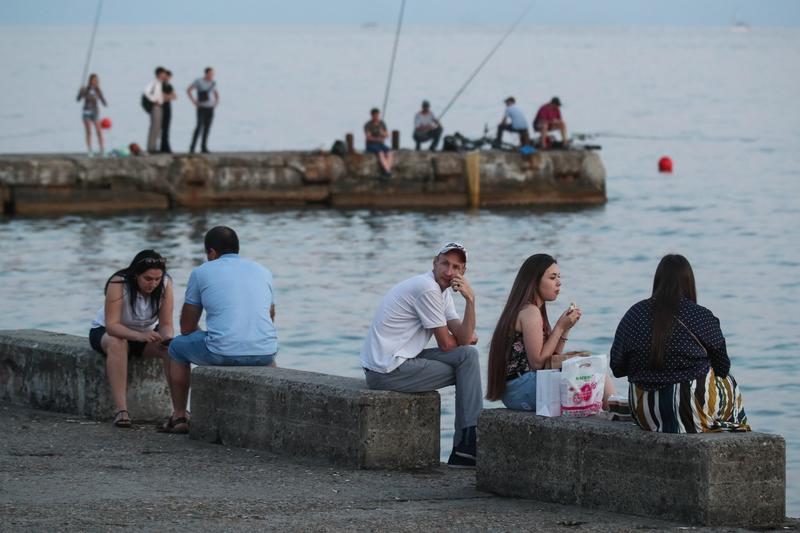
122, 421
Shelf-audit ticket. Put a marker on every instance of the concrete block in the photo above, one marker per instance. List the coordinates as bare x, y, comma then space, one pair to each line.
299, 413
714, 479
59, 372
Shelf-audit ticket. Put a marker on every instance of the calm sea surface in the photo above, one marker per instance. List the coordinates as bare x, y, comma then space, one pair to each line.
723, 105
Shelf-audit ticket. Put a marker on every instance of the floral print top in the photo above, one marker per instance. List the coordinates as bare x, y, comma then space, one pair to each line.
518, 359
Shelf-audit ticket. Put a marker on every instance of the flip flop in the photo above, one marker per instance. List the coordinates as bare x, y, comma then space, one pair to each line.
122, 421
175, 425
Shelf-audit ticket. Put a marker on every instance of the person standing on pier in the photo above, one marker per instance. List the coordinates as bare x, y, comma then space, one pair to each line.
514, 121
206, 100
548, 118
154, 100
91, 111
376, 133
426, 127
394, 355
239, 302
166, 119
136, 317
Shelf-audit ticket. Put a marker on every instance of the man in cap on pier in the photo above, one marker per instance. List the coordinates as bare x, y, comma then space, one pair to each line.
239, 302
426, 127
548, 118
514, 121
394, 356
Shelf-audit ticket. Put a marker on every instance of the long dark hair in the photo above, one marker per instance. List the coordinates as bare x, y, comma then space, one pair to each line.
523, 290
142, 262
674, 280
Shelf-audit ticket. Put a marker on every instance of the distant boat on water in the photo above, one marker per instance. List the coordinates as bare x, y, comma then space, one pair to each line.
740, 26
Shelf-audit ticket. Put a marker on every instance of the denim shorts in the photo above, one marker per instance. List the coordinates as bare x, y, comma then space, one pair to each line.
192, 348
521, 393
374, 147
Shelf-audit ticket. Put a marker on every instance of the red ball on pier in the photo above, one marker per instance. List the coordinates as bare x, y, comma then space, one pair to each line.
105, 123
665, 164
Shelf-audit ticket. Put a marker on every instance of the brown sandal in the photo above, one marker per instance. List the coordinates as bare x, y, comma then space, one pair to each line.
175, 425
122, 421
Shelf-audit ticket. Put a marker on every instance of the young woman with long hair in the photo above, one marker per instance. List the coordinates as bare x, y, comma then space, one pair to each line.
674, 355
91, 95
135, 318
523, 341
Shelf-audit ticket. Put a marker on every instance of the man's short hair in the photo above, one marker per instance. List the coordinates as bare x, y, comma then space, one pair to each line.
425, 104
510, 100
374, 110
160, 70
208, 69
223, 240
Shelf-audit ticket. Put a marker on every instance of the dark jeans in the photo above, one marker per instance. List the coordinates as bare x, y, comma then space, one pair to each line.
204, 117
523, 134
425, 136
166, 118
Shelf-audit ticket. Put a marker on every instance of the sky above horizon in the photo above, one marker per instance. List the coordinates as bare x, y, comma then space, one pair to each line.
766, 13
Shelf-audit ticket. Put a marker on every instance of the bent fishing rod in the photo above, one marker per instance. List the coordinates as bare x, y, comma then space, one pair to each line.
485, 60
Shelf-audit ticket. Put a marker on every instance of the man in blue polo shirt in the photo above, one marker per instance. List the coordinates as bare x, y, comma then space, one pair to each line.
237, 296
514, 121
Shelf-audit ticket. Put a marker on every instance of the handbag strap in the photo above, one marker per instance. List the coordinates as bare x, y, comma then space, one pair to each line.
693, 335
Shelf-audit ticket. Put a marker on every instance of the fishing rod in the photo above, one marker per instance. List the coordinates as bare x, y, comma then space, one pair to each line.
391, 63
91, 42
485, 60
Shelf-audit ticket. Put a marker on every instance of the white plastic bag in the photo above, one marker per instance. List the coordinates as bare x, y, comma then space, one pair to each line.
582, 383
548, 395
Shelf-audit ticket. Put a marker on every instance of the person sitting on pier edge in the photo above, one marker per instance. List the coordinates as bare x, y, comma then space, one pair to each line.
375, 132
548, 118
426, 127
237, 296
514, 121
136, 317
523, 341
394, 355
676, 360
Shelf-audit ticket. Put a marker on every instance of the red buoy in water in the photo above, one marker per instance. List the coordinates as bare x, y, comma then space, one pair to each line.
105, 123
665, 164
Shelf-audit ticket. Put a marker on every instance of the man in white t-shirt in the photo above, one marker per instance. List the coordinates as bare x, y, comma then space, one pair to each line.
394, 355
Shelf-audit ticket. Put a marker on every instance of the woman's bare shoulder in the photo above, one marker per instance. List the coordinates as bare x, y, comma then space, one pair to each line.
529, 313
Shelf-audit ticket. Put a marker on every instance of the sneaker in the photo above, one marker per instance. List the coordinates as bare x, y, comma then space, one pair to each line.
468, 446
457, 461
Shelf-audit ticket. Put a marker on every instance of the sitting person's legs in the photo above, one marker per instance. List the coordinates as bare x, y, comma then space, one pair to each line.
434, 369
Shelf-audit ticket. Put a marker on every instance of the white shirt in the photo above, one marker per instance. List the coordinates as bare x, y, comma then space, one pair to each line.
404, 322
518, 120
153, 92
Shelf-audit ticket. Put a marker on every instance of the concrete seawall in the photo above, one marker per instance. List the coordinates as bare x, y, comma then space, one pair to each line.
64, 184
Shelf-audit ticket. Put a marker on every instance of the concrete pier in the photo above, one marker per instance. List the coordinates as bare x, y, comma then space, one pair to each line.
64, 184
62, 373
58, 473
713, 479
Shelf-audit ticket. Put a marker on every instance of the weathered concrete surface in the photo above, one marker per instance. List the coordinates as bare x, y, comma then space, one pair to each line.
299, 413
57, 184
710, 479
65, 474
62, 373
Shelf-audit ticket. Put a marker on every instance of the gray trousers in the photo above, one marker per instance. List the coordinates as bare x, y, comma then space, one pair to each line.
433, 369
155, 129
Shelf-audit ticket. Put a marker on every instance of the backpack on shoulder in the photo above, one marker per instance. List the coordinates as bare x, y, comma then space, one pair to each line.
147, 105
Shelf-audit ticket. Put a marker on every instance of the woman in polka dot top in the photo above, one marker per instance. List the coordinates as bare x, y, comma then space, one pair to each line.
674, 355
